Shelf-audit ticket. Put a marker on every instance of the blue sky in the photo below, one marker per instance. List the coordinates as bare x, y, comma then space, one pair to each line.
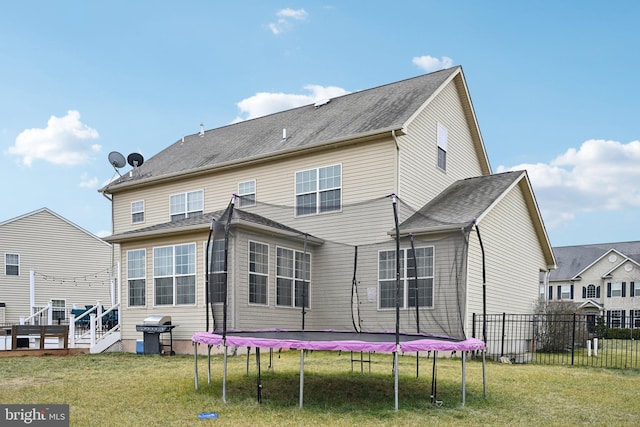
553, 85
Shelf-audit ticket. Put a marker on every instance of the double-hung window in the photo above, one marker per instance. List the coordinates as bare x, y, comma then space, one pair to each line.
616, 289
616, 319
258, 272
416, 278
443, 143
247, 194
137, 211
12, 264
293, 274
136, 277
174, 274
186, 205
319, 190
565, 292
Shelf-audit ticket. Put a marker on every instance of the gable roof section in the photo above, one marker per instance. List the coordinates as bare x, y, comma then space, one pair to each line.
357, 116
467, 201
574, 260
203, 222
50, 212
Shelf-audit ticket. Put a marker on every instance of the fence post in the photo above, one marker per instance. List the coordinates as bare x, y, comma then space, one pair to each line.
504, 317
573, 339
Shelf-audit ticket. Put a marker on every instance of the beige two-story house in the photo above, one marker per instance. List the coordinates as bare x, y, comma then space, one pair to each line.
317, 192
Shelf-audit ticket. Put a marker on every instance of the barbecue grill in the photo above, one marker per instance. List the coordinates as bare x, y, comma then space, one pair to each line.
152, 328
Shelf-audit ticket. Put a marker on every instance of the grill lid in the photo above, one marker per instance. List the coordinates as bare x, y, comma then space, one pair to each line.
157, 320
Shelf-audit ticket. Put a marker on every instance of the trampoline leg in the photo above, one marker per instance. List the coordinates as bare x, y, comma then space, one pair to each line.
484, 373
259, 375
464, 379
195, 363
224, 377
301, 377
248, 356
395, 373
208, 364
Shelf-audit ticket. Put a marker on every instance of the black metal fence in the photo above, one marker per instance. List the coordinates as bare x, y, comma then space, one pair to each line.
559, 339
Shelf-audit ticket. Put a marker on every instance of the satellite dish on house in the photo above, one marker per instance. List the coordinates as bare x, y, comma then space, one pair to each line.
117, 160
135, 159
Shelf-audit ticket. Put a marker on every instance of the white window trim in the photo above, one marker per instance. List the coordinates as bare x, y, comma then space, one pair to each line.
133, 212
241, 193
405, 279
442, 143
565, 289
249, 273
146, 282
618, 290
174, 275
293, 305
318, 191
16, 265
186, 212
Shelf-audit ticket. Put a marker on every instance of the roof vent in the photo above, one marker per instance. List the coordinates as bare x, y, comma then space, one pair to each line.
201, 129
284, 134
321, 102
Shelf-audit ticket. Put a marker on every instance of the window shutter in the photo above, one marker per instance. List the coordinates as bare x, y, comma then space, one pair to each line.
631, 318
622, 324
598, 292
624, 287
550, 293
608, 318
571, 291
632, 289
559, 292
609, 290
584, 292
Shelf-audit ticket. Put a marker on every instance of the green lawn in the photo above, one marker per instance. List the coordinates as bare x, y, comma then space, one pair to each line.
148, 390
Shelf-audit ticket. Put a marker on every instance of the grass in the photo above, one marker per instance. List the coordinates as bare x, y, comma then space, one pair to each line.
149, 390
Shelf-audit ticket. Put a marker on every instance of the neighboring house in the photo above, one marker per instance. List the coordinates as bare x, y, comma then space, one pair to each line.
333, 164
601, 279
46, 259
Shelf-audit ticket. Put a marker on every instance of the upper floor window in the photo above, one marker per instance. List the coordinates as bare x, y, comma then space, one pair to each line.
319, 190
187, 205
293, 274
591, 291
247, 194
136, 277
12, 264
137, 211
566, 292
410, 288
442, 139
174, 274
616, 289
258, 272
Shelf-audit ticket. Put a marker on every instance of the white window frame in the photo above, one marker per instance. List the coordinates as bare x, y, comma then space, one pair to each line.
636, 289
247, 193
565, 292
133, 277
591, 291
137, 211
309, 184
294, 277
7, 264
616, 289
57, 308
442, 138
171, 272
406, 277
616, 318
182, 210
257, 269
636, 319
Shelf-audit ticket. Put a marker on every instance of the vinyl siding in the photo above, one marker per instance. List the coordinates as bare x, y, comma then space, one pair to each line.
513, 259
420, 178
69, 264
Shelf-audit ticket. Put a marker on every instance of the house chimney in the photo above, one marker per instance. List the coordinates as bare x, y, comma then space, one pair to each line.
201, 129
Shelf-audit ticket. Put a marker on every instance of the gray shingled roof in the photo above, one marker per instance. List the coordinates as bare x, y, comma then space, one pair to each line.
572, 260
203, 222
461, 203
358, 114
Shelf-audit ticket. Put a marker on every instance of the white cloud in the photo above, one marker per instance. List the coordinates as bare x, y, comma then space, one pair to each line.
429, 63
284, 20
103, 233
601, 175
65, 141
264, 103
88, 182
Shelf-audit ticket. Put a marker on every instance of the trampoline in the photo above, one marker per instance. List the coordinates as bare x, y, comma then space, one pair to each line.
441, 330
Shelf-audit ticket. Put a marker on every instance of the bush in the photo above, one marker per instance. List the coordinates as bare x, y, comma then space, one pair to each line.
622, 334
